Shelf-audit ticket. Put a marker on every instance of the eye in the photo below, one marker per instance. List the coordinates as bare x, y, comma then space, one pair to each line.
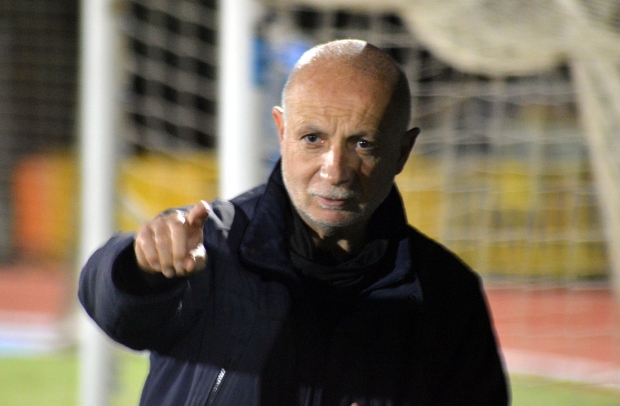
311, 138
365, 145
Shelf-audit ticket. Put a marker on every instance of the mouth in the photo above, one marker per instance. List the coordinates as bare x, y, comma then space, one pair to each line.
330, 203
337, 199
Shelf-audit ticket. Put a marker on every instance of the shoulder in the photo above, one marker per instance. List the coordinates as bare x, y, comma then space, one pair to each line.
245, 203
457, 331
233, 215
443, 275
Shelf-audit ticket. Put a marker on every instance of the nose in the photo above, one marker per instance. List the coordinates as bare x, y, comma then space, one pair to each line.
338, 166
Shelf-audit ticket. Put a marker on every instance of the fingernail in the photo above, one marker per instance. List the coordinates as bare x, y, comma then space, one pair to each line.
168, 273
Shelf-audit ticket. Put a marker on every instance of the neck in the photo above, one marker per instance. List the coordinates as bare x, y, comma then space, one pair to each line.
340, 243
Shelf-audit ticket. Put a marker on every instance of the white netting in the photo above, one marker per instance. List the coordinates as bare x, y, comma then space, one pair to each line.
504, 37
490, 37
515, 37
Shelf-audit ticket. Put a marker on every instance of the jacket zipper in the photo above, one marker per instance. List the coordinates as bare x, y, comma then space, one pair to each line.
216, 387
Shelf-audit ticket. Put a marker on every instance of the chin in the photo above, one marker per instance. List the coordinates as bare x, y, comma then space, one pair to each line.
336, 221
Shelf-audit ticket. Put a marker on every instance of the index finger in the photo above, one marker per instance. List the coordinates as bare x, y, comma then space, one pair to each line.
198, 214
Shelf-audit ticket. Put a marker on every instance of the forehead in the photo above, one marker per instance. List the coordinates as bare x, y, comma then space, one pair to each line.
338, 92
335, 74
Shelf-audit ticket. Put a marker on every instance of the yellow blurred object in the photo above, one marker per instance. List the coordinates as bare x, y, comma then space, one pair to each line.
152, 183
499, 216
513, 183
504, 218
45, 193
420, 185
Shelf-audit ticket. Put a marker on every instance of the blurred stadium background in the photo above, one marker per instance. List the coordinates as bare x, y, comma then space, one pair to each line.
517, 168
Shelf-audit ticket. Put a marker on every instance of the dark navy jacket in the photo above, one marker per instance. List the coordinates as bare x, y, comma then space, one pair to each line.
248, 331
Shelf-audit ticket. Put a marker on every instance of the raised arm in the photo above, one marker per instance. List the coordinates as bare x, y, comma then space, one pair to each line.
137, 288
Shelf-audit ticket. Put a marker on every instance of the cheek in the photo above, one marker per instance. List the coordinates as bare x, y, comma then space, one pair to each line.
298, 165
294, 179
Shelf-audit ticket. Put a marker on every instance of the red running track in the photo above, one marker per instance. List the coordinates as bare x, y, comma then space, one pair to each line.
560, 332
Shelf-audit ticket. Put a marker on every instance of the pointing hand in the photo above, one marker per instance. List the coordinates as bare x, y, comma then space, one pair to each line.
173, 243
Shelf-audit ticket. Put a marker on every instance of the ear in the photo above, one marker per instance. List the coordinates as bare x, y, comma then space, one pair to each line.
278, 117
406, 146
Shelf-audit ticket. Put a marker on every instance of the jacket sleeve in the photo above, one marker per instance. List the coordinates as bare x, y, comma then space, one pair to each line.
136, 310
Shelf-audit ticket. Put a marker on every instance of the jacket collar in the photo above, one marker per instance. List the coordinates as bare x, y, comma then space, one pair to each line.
265, 241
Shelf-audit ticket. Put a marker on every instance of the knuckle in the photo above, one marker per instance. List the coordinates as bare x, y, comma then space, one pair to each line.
144, 232
157, 222
143, 245
152, 259
176, 217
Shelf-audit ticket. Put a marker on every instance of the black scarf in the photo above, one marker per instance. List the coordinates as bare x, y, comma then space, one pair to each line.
360, 269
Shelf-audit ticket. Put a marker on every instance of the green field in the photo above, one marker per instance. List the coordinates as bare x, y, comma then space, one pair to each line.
52, 380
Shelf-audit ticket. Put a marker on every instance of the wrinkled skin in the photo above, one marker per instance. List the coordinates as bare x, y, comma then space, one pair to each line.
340, 152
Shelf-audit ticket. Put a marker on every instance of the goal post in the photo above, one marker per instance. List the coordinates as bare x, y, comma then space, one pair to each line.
598, 90
98, 150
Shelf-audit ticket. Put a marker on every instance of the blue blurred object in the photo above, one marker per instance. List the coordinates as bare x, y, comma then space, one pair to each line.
279, 44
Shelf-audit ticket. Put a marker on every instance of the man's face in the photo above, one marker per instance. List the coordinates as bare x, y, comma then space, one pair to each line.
339, 150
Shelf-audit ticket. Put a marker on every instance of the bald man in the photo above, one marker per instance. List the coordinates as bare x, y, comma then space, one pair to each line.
311, 289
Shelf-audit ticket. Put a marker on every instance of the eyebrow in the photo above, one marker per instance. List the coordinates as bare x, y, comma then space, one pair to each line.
314, 129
